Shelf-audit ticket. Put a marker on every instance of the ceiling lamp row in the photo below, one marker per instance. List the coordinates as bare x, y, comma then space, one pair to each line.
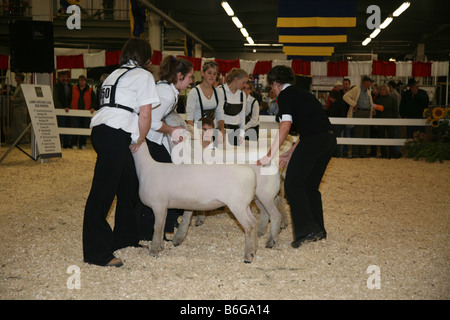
386, 22
237, 22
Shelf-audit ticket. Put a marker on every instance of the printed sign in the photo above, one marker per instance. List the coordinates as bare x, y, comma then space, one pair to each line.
39, 101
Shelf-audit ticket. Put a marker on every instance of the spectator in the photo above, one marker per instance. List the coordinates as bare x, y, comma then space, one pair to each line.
412, 104
373, 130
348, 129
338, 109
337, 86
62, 97
272, 102
398, 98
346, 83
389, 111
19, 112
361, 106
83, 98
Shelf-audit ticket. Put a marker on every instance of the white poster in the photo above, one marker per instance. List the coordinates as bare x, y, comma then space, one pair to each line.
39, 101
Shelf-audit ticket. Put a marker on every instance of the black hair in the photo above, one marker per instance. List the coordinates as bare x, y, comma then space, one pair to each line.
170, 67
281, 74
137, 50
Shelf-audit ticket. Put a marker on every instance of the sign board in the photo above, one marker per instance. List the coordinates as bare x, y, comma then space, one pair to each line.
39, 101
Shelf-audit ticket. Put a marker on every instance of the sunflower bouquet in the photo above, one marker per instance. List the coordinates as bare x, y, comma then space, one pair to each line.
435, 145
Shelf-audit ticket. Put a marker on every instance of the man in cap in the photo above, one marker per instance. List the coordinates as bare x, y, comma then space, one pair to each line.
361, 106
413, 102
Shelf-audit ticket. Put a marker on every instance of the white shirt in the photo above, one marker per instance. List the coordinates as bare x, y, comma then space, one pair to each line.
193, 111
135, 89
233, 98
253, 112
168, 95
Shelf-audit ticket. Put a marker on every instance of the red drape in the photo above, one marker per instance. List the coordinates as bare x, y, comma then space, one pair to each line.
156, 58
384, 68
70, 62
262, 67
196, 62
112, 57
301, 67
4, 61
337, 69
421, 69
226, 65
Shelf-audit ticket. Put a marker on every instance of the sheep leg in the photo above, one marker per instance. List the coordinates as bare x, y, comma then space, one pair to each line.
158, 231
182, 228
281, 204
201, 215
263, 219
275, 220
248, 222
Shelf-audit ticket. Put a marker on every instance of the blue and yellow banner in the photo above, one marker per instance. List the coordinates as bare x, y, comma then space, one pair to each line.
312, 27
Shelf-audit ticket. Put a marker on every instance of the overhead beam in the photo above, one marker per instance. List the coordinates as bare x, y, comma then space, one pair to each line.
164, 16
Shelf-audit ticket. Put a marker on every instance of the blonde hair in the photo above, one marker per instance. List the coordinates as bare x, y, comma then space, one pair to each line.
236, 73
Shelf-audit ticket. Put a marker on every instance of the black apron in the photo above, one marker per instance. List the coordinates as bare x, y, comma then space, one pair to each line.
208, 113
232, 109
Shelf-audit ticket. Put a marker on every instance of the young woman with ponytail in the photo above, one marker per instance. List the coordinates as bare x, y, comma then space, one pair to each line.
175, 74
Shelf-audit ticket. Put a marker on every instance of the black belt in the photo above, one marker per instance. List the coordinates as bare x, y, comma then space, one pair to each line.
232, 126
118, 106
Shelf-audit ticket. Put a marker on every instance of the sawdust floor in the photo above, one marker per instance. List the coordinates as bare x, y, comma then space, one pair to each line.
391, 214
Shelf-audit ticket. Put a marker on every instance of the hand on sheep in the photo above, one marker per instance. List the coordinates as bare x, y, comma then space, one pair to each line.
178, 134
134, 147
284, 159
264, 161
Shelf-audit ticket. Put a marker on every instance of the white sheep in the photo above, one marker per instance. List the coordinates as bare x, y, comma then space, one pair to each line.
195, 187
266, 198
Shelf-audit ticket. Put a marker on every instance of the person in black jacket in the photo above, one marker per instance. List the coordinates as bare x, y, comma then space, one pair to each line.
307, 160
62, 96
413, 102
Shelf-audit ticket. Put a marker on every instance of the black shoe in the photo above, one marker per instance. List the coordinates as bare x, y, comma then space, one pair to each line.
309, 238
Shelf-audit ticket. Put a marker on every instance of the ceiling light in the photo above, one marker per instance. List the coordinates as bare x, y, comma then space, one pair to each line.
250, 40
227, 8
375, 33
237, 22
386, 22
400, 9
366, 42
244, 32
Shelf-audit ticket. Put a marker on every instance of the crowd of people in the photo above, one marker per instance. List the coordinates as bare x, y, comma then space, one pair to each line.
370, 100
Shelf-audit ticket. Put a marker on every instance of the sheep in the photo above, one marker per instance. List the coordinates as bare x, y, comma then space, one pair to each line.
266, 197
192, 187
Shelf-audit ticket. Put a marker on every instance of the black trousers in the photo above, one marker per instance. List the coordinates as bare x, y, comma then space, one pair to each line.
146, 217
115, 174
303, 176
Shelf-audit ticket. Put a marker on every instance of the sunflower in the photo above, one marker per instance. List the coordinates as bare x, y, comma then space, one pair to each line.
435, 123
426, 113
438, 113
428, 120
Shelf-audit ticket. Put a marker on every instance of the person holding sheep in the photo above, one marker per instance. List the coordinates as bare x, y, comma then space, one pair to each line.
307, 160
120, 126
175, 75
